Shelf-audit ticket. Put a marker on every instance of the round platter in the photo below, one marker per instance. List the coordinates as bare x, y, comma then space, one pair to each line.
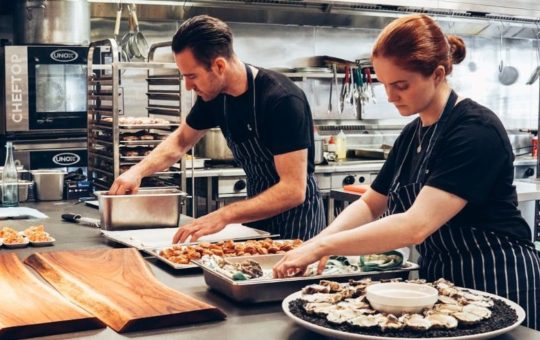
347, 335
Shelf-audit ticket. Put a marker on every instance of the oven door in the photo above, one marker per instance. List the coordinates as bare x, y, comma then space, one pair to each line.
46, 88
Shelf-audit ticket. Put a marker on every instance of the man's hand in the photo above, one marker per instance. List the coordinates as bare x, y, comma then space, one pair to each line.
127, 183
208, 224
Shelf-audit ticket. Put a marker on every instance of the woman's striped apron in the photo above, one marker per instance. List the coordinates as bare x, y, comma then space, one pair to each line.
467, 256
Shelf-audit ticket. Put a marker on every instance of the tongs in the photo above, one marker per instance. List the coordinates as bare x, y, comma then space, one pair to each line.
345, 88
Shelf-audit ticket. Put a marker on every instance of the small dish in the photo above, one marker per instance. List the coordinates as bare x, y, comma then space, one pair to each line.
17, 245
49, 242
401, 297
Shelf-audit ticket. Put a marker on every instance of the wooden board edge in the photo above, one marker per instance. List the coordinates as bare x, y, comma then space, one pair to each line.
175, 320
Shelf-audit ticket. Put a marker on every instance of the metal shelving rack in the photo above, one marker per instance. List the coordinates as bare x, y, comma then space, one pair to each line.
107, 142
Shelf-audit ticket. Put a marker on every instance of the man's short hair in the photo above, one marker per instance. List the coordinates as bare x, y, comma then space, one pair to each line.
206, 37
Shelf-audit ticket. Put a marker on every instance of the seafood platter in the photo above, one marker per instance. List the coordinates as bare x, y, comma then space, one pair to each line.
346, 310
249, 279
34, 235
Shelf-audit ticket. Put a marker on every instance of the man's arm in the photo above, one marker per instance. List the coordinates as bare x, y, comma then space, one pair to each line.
286, 194
163, 156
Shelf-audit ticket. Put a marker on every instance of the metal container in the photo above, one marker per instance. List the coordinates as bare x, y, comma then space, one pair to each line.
214, 145
149, 208
318, 149
24, 187
63, 22
49, 184
265, 290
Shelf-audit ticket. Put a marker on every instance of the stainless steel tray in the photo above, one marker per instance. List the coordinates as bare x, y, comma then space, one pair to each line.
265, 290
149, 208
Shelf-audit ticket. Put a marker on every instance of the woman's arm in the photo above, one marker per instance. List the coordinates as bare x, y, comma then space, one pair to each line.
431, 209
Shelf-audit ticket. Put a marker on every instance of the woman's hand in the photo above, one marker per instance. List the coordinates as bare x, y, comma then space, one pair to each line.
295, 262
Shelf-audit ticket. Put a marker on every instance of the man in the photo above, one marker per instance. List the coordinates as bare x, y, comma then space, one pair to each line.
267, 122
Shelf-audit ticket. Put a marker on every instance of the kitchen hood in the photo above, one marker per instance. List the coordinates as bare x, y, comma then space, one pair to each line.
515, 19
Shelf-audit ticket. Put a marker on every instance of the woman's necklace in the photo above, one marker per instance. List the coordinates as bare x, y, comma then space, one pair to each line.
421, 138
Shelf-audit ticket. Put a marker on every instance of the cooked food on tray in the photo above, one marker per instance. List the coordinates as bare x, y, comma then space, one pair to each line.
334, 266
138, 120
182, 254
346, 307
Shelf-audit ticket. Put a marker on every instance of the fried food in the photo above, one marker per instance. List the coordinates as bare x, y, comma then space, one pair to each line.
179, 254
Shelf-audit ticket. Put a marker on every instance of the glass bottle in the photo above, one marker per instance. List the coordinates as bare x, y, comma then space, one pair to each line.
341, 145
10, 188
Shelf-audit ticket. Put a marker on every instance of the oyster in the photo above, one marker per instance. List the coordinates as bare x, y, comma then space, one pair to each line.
319, 307
321, 297
315, 288
332, 285
441, 320
367, 321
467, 318
483, 312
341, 315
446, 308
357, 303
391, 322
448, 300
416, 321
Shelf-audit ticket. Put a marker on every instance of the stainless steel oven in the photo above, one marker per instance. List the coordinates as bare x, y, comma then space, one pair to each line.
45, 89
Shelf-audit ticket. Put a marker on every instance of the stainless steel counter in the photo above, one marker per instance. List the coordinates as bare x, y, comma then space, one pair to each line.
263, 321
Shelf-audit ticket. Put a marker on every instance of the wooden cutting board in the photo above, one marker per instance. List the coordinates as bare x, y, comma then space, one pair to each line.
30, 307
117, 286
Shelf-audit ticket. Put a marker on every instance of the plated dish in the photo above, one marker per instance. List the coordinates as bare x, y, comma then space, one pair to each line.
341, 310
34, 235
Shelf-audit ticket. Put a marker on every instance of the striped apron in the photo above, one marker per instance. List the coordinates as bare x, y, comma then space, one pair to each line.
466, 255
303, 221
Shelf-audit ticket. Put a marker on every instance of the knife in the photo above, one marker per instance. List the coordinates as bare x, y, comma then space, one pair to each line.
93, 222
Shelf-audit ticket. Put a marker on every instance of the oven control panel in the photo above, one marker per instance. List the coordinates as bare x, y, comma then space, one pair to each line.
231, 186
340, 179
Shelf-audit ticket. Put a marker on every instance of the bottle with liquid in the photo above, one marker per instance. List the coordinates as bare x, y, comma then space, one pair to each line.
341, 145
10, 188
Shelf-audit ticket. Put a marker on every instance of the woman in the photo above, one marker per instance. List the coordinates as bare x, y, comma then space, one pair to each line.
447, 184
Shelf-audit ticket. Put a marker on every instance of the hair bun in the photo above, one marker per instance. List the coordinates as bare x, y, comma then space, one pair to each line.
457, 49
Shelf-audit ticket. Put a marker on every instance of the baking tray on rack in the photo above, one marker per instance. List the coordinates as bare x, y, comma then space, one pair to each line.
269, 289
164, 95
148, 126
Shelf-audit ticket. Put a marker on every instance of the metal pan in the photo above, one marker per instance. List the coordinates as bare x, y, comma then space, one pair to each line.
265, 290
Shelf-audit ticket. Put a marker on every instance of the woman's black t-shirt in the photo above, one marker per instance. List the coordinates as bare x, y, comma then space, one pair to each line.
284, 119
473, 160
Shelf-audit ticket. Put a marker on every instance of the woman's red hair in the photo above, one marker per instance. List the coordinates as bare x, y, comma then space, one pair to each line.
416, 43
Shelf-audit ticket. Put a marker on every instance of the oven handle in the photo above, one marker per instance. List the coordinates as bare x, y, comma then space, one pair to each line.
50, 146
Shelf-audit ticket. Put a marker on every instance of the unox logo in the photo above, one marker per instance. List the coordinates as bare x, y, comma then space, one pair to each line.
64, 55
66, 158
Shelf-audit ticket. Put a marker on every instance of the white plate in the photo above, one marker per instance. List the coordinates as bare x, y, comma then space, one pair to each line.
17, 245
50, 242
346, 335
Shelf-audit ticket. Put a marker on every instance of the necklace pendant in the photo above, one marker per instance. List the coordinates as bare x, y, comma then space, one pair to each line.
419, 148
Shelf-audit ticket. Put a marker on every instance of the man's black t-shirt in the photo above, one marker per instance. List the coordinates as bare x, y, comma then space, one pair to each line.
284, 120
473, 160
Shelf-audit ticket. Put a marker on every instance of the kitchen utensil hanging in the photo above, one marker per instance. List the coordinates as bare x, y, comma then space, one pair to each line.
536, 72
508, 75
121, 50
138, 42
